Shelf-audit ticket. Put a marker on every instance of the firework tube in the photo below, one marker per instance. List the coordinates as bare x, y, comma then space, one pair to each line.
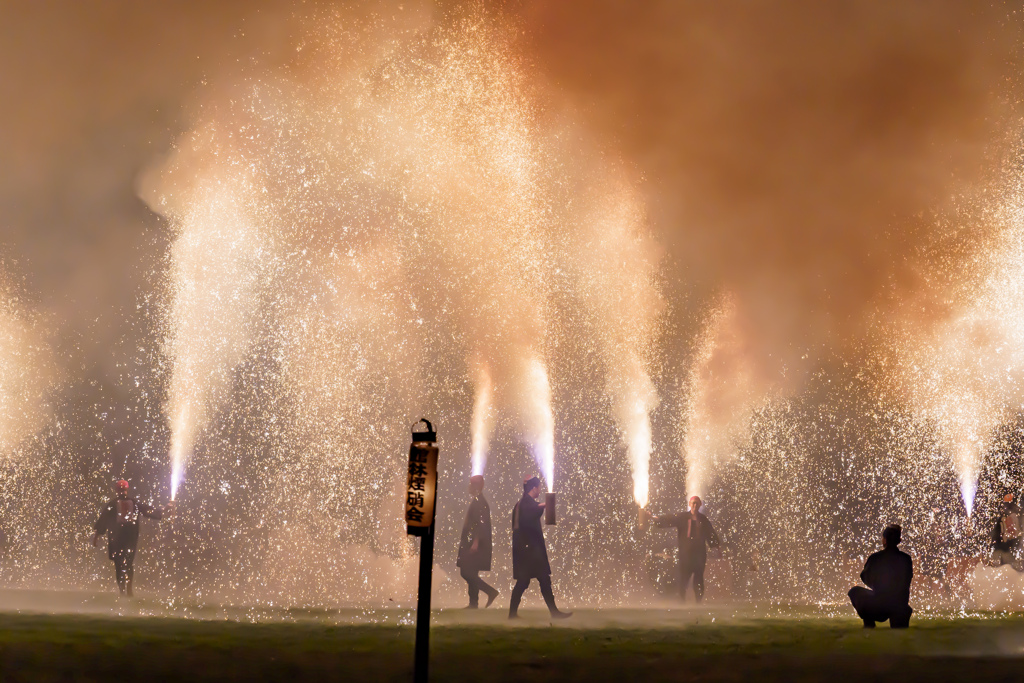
642, 518
549, 508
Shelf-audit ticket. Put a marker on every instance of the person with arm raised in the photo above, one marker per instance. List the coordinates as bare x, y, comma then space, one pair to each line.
119, 521
695, 534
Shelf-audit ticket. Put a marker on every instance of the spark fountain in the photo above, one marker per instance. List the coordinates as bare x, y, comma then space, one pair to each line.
968, 372
720, 397
619, 257
539, 428
483, 420
345, 230
500, 215
215, 280
27, 374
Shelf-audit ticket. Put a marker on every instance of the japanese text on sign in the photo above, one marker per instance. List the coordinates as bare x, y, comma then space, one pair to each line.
421, 489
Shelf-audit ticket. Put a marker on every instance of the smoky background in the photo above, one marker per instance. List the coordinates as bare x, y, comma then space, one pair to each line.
806, 162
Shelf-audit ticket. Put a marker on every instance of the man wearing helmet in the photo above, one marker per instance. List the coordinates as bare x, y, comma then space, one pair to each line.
695, 534
119, 520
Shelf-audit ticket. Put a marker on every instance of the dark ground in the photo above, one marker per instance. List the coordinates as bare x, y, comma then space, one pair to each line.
605, 645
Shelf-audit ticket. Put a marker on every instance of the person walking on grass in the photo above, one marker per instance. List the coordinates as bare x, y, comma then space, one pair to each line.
475, 545
529, 552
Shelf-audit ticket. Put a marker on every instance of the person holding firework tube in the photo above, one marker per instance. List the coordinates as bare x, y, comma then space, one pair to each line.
529, 551
695, 534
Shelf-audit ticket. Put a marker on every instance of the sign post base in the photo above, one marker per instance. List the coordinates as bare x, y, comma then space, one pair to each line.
422, 658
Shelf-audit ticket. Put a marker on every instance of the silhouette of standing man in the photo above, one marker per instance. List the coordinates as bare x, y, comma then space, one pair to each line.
695, 534
475, 545
887, 574
529, 552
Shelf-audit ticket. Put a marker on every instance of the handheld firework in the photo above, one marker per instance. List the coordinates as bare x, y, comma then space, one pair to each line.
549, 508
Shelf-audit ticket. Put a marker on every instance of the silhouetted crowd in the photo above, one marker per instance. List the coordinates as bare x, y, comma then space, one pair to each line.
887, 573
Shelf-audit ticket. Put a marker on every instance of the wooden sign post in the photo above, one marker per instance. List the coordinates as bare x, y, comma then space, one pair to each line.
420, 508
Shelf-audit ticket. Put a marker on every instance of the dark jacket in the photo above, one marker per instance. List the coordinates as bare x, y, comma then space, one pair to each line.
120, 518
1003, 537
889, 573
694, 534
476, 528
529, 554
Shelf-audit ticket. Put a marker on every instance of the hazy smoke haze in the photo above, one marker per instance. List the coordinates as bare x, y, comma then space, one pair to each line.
681, 246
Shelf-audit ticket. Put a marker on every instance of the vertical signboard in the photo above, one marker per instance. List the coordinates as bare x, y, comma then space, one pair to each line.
421, 487
420, 504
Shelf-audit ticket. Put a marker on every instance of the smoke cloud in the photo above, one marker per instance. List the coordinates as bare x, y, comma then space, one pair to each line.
391, 213
681, 212
798, 156
964, 373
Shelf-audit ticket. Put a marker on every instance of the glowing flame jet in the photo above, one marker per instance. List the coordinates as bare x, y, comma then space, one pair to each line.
540, 423
968, 449
483, 420
965, 372
179, 424
697, 418
26, 374
618, 283
640, 448
968, 487
720, 397
633, 397
216, 272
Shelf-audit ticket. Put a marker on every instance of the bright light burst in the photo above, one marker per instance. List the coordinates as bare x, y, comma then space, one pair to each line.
540, 423
359, 232
720, 397
26, 374
966, 376
616, 268
483, 420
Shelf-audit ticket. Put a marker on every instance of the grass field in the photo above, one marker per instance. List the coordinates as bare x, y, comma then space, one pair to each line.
719, 644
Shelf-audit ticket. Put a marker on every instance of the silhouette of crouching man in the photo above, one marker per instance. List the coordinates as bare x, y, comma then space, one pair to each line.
887, 574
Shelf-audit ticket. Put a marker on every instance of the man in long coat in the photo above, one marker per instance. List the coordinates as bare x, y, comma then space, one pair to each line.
475, 545
529, 552
695, 533
120, 519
